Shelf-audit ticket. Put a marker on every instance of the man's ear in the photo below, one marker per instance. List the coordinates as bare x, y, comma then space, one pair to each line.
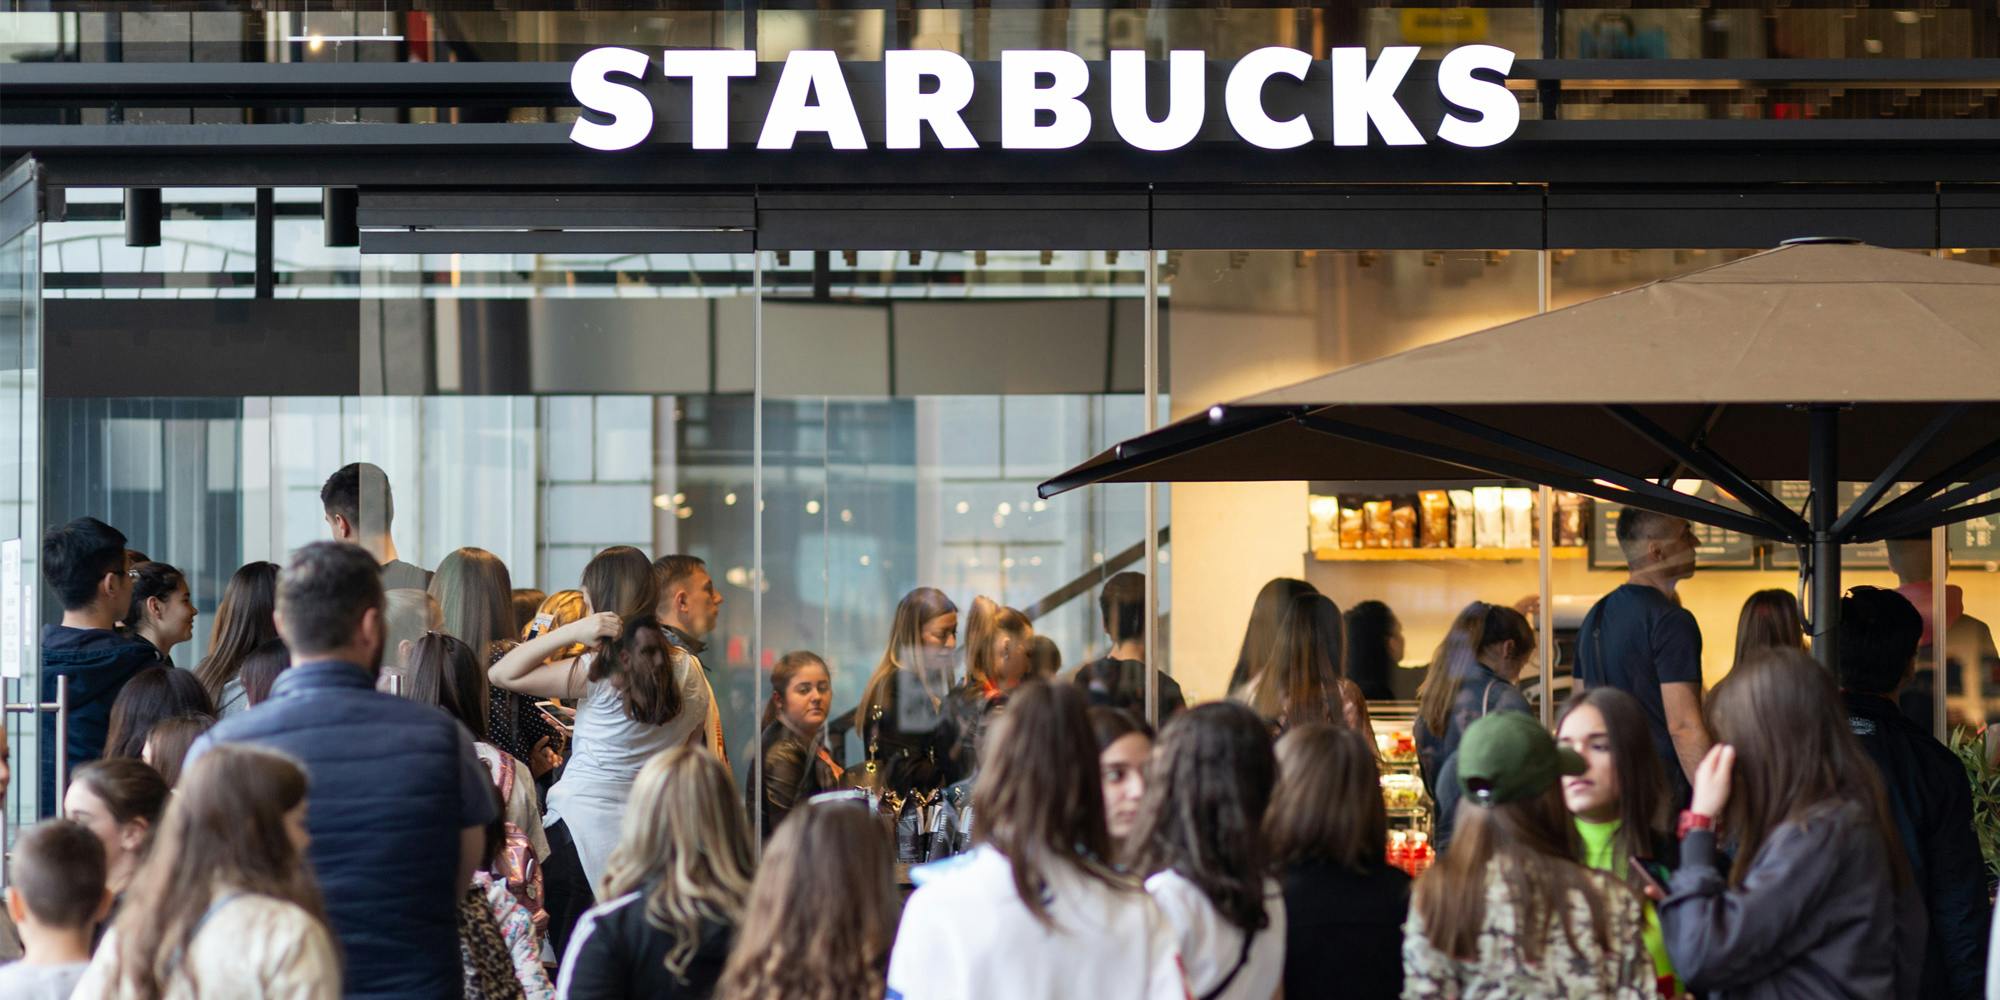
17, 908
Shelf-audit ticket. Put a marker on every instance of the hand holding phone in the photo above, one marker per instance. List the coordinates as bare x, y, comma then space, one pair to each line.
1647, 880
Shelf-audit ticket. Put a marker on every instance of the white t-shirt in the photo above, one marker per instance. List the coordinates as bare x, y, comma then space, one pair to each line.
1210, 944
966, 935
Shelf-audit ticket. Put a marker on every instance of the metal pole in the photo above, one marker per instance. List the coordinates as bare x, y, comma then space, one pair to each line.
62, 740
1825, 481
1545, 632
1152, 353
1940, 565
757, 533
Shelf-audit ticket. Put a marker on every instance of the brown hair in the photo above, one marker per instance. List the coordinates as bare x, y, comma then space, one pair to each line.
906, 640
640, 664
823, 910
150, 581
1328, 802
155, 693
1299, 682
261, 668
782, 672
243, 622
684, 834
1644, 808
170, 741
127, 786
1203, 813
476, 596
1477, 627
1794, 752
444, 672
1261, 632
620, 580
1770, 620
983, 629
1537, 842
226, 827
60, 872
1035, 804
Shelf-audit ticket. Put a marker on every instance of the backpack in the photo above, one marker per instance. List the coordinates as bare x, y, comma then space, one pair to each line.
516, 863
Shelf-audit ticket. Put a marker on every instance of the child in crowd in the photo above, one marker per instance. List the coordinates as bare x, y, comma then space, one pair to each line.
57, 898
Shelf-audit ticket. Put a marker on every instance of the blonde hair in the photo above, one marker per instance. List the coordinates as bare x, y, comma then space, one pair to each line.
684, 833
562, 607
983, 629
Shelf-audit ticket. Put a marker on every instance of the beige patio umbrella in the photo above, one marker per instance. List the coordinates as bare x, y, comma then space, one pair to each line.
1825, 361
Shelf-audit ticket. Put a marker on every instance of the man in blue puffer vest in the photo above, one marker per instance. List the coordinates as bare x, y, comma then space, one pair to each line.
398, 802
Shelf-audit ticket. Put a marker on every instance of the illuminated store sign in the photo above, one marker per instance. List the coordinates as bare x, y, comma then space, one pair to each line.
1042, 98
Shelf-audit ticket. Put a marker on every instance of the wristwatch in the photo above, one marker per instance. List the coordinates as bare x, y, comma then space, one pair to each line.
1690, 821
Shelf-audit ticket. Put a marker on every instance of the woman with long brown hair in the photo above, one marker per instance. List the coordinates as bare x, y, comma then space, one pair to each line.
797, 765
1620, 803
822, 913
639, 695
1328, 833
1299, 683
1260, 634
155, 693
676, 888
119, 799
1819, 900
242, 623
1508, 912
475, 595
911, 742
997, 660
226, 905
1770, 620
1036, 909
1471, 675
1200, 845
162, 610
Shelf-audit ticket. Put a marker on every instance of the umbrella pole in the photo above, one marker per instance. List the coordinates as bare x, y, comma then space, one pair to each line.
1825, 552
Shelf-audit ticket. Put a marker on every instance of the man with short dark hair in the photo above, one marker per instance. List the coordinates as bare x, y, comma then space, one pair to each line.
359, 509
688, 608
1929, 793
1118, 679
84, 563
399, 801
1640, 640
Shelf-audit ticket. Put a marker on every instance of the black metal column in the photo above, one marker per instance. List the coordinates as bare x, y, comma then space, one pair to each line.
1825, 561
266, 275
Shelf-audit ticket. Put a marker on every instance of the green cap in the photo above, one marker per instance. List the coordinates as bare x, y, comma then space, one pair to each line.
1508, 756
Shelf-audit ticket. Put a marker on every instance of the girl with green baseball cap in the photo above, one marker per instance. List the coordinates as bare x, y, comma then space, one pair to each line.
1508, 911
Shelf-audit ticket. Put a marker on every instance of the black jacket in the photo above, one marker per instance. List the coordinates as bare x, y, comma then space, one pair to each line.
616, 955
1344, 931
793, 773
1122, 684
1931, 797
97, 662
916, 742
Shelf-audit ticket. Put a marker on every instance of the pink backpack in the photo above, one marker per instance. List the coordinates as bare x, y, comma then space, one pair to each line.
516, 863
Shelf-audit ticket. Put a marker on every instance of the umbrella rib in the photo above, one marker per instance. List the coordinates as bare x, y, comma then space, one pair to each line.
1979, 459
1644, 494
1895, 468
1716, 469
1921, 516
1916, 522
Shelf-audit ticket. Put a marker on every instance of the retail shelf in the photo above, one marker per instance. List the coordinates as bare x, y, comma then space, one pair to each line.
1445, 555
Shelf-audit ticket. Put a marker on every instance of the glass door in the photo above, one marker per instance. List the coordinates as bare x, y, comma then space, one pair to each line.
20, 426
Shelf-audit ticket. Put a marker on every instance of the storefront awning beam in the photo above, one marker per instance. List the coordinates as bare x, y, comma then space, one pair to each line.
1640, 494
1894, 470
1716, 469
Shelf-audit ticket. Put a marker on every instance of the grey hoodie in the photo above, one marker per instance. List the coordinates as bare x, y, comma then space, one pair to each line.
1818, 915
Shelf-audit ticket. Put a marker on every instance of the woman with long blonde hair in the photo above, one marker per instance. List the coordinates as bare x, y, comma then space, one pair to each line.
997, 660
911, 741
225, 905
676, 888
822, 914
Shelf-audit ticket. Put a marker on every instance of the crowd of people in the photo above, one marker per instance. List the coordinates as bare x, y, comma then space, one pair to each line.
383, 781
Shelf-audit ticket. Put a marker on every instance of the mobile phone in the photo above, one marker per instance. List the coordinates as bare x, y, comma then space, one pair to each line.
540, 624
1646, 875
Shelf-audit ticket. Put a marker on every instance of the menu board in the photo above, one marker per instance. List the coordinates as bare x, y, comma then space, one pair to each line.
1715, 548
